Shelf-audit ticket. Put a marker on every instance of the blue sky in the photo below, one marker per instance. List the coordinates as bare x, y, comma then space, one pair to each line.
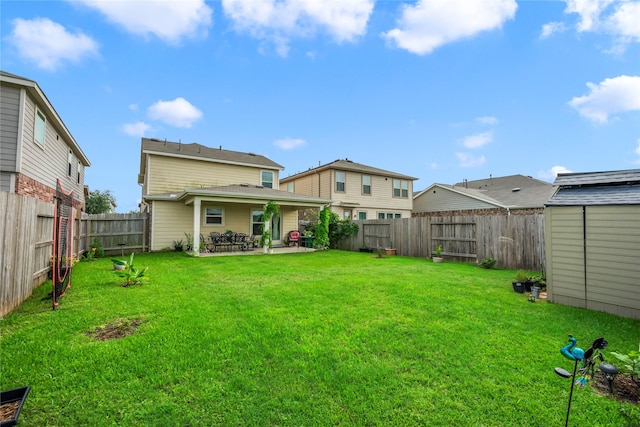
442, 90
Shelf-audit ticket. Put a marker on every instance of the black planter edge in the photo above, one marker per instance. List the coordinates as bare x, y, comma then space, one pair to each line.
13, 396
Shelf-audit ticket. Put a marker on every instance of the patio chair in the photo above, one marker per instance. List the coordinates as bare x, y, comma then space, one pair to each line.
294, 238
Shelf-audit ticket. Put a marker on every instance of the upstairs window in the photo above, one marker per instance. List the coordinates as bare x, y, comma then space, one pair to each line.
366, 184
340, 181
41, 126
70, 162
213, 216
79, 171
290, 187
400, 188
267, 179
362, 216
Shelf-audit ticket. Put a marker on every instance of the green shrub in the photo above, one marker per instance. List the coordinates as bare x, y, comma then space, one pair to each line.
488, 263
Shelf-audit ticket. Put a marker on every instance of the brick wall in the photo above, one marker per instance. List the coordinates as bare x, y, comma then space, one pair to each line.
27, 186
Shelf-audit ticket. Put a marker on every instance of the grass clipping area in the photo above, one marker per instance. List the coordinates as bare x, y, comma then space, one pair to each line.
322, 338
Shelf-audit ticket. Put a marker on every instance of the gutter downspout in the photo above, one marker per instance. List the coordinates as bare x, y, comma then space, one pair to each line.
584, 251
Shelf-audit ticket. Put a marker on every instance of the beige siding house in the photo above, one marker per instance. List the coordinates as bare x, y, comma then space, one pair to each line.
593, 242
37, 148
191, 188
358, 191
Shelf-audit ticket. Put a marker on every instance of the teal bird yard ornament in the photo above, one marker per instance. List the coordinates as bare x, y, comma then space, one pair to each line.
570, 351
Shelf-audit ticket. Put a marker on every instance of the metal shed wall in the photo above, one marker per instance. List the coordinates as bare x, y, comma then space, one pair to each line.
593, 257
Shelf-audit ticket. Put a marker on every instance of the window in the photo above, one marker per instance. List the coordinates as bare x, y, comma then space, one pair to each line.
290, 187
79, 171
340, 181
366, 184
389, 215
380, 215
347, 215
70, 161
256, 221
400, 188
41, 125
267, 179
362, 216
213, 216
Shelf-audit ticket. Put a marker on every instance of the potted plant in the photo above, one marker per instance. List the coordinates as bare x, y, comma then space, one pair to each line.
178, 245
131, 274
390, 250
519, 282
364, 248
438, 254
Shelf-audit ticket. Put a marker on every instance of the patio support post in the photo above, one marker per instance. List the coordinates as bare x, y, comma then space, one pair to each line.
196, 226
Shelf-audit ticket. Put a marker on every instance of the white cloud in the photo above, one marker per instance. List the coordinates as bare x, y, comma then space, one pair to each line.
467, 160
277, 22
48, 44
616, 18
478, 140
429, 24
179, 112
170, 21
136, 129
487, 120
552, 28
133, 107
553, 172
614, 95
289, 143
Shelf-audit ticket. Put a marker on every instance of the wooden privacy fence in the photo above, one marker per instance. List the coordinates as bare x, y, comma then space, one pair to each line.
515, 241
26, 238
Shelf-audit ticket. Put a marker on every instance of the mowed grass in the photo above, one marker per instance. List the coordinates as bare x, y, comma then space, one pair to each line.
308, 339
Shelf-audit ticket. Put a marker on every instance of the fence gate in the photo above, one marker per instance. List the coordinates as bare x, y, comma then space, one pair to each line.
457, 238
376, 235
62, 251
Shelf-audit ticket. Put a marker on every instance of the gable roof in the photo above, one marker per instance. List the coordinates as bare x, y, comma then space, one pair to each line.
43, 102
513, 191
201, 152
597, 188
349, 165
468, 192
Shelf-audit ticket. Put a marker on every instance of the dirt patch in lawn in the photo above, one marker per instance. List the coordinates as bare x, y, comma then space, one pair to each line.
119, 328
624, 389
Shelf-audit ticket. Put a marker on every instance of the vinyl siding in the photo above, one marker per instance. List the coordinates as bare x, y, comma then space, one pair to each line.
608, 254
444, 200
9, 119
173, 174
5, 182
171, 220
47, 164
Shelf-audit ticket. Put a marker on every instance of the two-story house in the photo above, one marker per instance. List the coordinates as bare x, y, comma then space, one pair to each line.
36, 147
191, 188
358, 191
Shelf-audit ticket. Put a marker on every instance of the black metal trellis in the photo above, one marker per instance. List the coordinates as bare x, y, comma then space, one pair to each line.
62, 251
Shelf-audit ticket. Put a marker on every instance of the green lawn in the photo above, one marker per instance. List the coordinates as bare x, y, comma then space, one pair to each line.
308, 339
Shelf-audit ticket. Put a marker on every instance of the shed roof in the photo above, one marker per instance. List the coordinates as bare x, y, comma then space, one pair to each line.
597, 188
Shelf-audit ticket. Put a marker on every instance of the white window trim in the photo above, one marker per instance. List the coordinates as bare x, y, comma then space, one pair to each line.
35, 129
343, 182
273, 179
363, 184
204, 216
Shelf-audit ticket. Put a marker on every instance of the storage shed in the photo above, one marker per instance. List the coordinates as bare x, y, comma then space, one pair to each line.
593, 241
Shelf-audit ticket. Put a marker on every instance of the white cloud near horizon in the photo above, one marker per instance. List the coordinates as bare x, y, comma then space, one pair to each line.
466, 160
277, 22
48, 44
136, 129
487, 120
179, 112
289, 143
612, 95
170, 21
478, 140
552, 173
430, 24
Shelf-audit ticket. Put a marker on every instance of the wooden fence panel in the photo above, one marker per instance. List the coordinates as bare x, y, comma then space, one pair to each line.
515, 241
118, 233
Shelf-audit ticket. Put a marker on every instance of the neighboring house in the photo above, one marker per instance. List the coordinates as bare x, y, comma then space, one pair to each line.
593, 241
358, 191
508, 194
37, 148
190, 188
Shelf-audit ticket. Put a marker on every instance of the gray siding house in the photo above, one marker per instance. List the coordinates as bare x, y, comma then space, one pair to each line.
508, 194
36, 147
593, 242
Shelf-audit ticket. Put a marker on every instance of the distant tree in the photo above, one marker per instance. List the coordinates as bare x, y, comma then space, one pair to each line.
100, 202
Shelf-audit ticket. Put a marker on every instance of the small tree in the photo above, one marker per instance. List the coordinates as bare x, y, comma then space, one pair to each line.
100, 202
321, 229
266, 239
